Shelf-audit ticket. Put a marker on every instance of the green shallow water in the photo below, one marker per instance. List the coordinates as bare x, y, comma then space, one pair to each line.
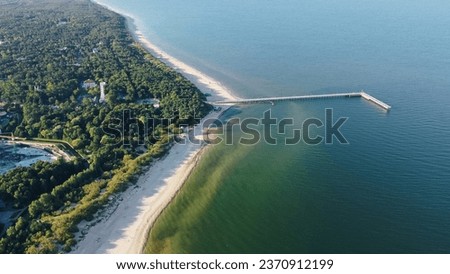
231, 196
305, 199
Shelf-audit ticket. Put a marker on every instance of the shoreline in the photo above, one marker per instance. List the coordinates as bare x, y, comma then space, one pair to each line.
124, 225
202, 81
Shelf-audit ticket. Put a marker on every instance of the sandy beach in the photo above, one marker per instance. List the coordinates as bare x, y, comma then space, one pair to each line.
123, 227
202, 81
205, 83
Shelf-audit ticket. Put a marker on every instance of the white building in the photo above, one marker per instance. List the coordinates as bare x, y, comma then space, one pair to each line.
89, 84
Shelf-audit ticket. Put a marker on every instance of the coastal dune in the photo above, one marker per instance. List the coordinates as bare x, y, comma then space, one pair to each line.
124, 226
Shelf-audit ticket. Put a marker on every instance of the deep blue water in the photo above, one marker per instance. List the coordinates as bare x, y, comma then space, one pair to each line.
386, 191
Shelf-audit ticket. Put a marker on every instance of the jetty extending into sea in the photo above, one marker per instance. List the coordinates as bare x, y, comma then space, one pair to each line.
360, 94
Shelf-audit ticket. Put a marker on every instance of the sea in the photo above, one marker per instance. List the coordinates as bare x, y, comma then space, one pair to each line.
386, 190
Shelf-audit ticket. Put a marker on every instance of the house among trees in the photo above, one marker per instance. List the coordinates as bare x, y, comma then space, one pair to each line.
89, 84
62, 23
151, 101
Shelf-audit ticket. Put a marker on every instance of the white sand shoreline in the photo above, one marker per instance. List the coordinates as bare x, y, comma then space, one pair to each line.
202, 81
123, 228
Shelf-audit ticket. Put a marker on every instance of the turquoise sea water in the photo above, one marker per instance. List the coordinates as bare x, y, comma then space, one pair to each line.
388, 191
